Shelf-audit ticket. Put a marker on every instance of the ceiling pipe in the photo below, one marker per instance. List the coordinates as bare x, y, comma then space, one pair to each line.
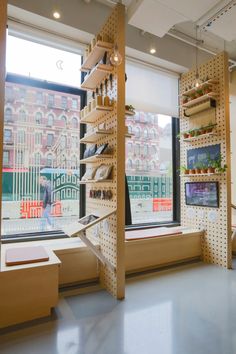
195, 44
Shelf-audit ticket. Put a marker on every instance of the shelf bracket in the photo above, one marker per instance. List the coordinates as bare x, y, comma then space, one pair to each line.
96, 251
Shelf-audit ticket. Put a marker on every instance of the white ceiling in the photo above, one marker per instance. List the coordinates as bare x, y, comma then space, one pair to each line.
160, 17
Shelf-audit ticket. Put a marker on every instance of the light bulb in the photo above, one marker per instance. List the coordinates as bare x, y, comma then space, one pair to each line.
116, 57
152, 50
197, 82
56, 14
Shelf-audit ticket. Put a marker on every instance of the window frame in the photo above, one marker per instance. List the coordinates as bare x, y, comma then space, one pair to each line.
176, 187
37, 83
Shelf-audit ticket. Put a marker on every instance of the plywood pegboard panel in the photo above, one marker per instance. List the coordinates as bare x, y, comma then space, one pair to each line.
111, 236
216, 243
3, 26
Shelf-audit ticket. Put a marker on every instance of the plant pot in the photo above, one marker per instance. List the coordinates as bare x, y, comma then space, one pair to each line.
185, 135
203, 131
197, 171
191, 135
204, 170
192, 171
186, 172
209, 130
211, 170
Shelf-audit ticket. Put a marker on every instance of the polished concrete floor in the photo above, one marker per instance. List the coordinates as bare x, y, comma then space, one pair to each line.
187, 310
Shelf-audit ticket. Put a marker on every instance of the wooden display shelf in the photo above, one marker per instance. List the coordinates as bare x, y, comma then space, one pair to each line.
96, 113
96, 54
98, 74
193, 138
200, 174
93, 137
129, 113
200, 99
129, 135
202, 86
96, 181
96, 158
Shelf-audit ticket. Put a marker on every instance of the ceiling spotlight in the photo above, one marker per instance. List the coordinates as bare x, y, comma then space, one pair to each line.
152, 50
56, 15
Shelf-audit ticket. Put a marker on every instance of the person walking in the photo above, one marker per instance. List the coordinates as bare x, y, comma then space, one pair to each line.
46, 220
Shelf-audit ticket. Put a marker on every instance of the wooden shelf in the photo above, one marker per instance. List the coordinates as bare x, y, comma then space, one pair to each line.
93, 137
96, 113
96, 54
96, 158
99, 73
129, 135
200, 99
202, 86
96, 181
129, 113
193, 138
201, 174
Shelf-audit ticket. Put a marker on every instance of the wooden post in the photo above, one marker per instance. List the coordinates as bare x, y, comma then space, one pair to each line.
3, 26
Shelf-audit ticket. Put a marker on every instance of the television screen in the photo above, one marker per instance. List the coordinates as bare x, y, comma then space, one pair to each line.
202, 194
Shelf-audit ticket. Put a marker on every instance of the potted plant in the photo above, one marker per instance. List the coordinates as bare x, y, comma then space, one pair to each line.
207, 89
185, 135
192, 96
191, 133
184, 170
218, 165
199, 93
198, 168
210, 127
197, 132
203, 130
192, 171
203, 167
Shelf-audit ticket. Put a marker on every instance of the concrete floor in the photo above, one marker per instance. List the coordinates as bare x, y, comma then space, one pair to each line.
187, 310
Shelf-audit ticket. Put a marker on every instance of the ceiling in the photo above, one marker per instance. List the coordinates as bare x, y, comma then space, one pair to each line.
217, 30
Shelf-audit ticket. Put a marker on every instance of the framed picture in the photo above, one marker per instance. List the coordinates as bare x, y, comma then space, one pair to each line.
194, 156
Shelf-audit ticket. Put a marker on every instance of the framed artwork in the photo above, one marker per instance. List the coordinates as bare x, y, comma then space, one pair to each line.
194, 156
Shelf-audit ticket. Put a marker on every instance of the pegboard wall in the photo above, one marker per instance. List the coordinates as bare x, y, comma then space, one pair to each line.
111, 231
216, 242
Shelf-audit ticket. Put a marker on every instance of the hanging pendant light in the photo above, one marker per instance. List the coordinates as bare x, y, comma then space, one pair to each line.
197, 82
116, 57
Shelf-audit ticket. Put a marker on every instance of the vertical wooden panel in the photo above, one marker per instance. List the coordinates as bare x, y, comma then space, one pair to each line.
3, 25
112, 238
216, 244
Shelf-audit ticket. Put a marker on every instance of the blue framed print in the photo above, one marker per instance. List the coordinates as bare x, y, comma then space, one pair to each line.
201, 155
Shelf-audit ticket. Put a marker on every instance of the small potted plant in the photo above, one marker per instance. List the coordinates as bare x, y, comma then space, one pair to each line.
198, 168
203, 167
192, 96
185, 135
197, 132
199, 93
191, 133
211, 164
210, 127
207, 89
192, 171
203, 130
218, 165
184, 170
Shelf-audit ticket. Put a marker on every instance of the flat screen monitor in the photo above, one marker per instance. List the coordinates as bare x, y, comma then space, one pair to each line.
204, 194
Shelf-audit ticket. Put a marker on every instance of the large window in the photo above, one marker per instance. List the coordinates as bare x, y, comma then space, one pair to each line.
150, 155
41, 172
